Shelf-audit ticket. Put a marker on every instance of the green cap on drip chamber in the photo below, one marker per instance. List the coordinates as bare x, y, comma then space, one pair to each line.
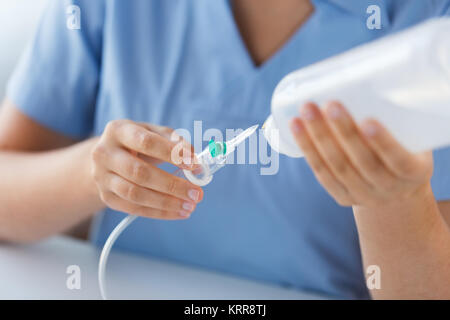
214, 157
217, 148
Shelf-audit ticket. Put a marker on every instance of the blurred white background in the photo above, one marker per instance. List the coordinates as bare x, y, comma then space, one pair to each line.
18, 19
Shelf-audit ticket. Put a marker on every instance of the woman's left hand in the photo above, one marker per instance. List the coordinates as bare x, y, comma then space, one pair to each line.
359, 165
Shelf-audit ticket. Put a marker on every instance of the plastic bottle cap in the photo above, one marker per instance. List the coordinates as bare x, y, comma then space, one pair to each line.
275, 141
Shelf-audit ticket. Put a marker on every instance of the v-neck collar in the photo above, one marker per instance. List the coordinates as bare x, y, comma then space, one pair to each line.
243, 50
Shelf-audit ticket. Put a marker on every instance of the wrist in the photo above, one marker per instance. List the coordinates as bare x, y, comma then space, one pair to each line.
420, 199
89, 184
414, 215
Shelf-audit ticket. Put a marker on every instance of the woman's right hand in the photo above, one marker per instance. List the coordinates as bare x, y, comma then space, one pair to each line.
124, 168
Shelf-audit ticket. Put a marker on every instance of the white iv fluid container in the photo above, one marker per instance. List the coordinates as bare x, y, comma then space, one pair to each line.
402, 80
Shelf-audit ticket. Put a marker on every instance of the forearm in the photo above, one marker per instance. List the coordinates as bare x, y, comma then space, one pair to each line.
410, 242
45, 193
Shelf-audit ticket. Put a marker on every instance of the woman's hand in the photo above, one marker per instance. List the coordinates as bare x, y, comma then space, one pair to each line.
358, 165
124, 169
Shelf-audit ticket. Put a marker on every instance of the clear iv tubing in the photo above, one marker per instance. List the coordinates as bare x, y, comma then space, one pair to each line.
209, 162
204, 179
107, 249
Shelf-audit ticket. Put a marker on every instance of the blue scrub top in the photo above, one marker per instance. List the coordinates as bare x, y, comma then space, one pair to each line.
173, 62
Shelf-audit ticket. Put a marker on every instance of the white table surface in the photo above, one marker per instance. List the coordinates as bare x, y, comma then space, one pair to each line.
39, 272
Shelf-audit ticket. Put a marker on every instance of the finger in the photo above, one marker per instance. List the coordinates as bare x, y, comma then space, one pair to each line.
400, 161
331, 152
363, 158
169, 134
147, 197
116, 203
166, 132
137, 138
319, 167
146, 175
182, 153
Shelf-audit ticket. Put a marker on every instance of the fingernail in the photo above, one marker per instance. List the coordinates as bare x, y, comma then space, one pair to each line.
188, 206
193, 194
369, 129
308, 112
334, 110
296, 128
184, 214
